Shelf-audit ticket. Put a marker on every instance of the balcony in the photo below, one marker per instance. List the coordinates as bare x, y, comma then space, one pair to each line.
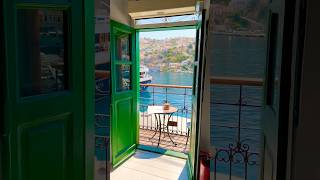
235, 123
177, 96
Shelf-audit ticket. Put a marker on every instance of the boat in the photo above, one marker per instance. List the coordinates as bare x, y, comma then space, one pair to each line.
145, 77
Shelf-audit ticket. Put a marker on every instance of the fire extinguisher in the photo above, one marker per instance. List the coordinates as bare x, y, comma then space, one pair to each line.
204, 163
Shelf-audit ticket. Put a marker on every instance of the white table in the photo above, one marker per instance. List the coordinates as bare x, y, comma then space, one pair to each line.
158, 111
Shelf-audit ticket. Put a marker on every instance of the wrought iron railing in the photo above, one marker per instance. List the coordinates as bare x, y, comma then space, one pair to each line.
235, 126
157, 94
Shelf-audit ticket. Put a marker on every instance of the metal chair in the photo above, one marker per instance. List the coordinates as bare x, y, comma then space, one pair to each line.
188, 132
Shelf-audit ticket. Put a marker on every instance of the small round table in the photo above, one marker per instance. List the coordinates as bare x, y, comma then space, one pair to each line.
158, 111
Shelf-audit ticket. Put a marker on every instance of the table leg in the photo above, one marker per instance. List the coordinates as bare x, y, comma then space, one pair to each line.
159, 130
168, 130
163, 124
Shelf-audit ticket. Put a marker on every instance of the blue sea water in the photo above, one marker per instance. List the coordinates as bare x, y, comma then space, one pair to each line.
180, 98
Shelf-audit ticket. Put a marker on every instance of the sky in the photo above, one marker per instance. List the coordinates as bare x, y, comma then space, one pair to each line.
168, 34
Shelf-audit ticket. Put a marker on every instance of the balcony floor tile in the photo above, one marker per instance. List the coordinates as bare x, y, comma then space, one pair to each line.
165, 142
151, 166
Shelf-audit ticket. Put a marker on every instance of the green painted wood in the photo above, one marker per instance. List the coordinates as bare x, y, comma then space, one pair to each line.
89, 79
137, 53
196, 99
44, 135
124, 103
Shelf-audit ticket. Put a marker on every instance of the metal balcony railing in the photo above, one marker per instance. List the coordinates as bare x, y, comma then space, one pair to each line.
157, 94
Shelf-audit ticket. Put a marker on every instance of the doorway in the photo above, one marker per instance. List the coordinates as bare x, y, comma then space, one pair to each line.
127, 117
167, 56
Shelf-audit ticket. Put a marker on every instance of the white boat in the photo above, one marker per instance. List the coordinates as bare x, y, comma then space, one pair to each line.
145, 77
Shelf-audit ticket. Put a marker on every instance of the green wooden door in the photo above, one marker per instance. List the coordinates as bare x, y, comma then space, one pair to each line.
47, 88
124, 77
196, 98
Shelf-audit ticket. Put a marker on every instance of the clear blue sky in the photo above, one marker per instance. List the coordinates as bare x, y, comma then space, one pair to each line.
169, 34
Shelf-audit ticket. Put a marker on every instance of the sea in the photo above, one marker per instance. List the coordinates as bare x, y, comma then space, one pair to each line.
230, 56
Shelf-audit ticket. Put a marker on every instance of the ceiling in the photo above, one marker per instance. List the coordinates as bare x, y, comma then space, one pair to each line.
139, 9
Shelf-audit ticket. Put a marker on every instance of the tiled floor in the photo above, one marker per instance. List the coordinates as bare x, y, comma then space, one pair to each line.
151, 166
165, 142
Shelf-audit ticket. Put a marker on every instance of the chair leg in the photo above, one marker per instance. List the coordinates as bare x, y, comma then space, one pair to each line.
188, 134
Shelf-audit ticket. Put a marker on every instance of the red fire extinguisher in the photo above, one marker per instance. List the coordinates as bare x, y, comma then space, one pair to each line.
204, 163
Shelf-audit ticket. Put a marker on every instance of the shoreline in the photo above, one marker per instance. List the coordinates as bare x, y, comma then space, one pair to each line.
239, 34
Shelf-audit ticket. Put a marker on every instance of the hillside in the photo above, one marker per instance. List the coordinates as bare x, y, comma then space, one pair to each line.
174, 54
244, 16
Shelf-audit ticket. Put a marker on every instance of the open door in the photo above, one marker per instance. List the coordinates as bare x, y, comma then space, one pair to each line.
277, 89
196, 97
46, 85
124, 75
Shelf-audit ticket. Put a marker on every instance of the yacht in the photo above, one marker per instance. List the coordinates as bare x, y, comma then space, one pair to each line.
145, 77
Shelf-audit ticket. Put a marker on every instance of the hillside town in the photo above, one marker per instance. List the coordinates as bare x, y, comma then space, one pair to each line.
168, 55
239, 17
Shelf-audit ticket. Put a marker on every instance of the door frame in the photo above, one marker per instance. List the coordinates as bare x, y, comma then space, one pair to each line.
200, 41
288, 85
300, 15
138, 31
285, 88
192, 172
89, 89
2, 82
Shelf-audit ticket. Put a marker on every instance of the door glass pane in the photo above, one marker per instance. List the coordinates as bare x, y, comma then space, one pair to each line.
41, 51
123, 47
123, 77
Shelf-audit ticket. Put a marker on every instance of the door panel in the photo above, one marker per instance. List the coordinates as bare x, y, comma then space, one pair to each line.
123, 121
277, 89
124, 75
196, 97
52, 134
46, 73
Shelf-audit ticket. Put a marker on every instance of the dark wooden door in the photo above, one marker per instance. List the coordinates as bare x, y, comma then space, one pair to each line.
277, 89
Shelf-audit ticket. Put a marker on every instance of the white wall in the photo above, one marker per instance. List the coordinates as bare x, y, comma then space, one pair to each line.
306, 149
119, 11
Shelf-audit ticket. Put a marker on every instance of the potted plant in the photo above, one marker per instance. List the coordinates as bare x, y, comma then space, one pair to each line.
166, 105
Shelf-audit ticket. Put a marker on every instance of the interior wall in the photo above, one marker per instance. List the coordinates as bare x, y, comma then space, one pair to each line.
119, 11
306, 157
102, 161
